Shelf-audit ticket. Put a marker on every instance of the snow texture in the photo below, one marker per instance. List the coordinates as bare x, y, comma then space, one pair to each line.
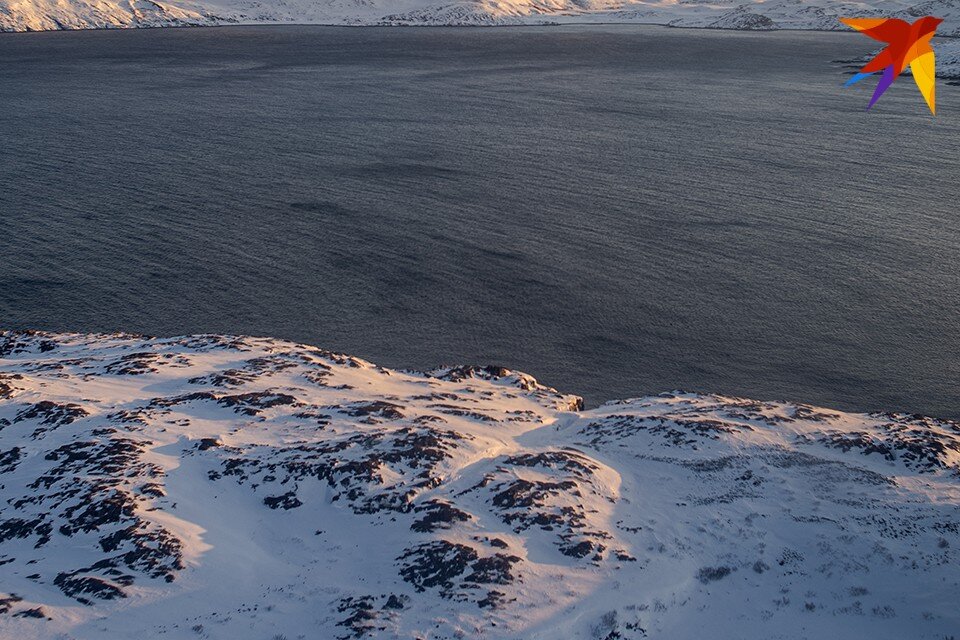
250, 488
24, 15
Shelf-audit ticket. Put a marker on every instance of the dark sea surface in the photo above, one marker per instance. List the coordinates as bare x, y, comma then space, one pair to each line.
618, 211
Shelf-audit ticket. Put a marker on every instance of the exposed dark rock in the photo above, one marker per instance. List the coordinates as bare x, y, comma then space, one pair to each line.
286, 501
9, 459
78, 587
7, 602
438, 515
436, 564
208, 443
51, 415
712, 574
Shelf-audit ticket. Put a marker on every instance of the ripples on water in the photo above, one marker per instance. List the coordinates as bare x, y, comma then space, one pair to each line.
616, 210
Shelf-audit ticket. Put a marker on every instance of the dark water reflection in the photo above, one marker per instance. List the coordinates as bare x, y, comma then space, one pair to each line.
616, 210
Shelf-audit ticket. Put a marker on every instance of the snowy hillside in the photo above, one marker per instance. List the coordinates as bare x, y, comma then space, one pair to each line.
228, 487
23, 15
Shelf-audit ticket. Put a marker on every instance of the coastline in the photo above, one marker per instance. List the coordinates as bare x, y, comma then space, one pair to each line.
947, 46
235, 487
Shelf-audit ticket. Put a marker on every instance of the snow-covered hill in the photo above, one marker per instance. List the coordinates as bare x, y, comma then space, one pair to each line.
22, 15
234, 487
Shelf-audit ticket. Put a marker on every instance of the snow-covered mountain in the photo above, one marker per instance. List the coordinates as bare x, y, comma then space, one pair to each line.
24, 15
235, 487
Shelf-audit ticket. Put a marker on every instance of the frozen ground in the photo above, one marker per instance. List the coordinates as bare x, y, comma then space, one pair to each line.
235, 487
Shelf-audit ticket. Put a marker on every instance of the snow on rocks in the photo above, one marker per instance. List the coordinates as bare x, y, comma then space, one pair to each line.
236, 487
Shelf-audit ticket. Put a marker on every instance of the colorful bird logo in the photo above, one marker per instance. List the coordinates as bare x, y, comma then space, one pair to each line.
907, 44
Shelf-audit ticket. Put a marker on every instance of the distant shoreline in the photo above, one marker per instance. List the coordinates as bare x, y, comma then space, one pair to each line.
477, 26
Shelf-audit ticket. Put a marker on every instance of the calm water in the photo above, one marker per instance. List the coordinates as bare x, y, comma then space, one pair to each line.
616, 210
